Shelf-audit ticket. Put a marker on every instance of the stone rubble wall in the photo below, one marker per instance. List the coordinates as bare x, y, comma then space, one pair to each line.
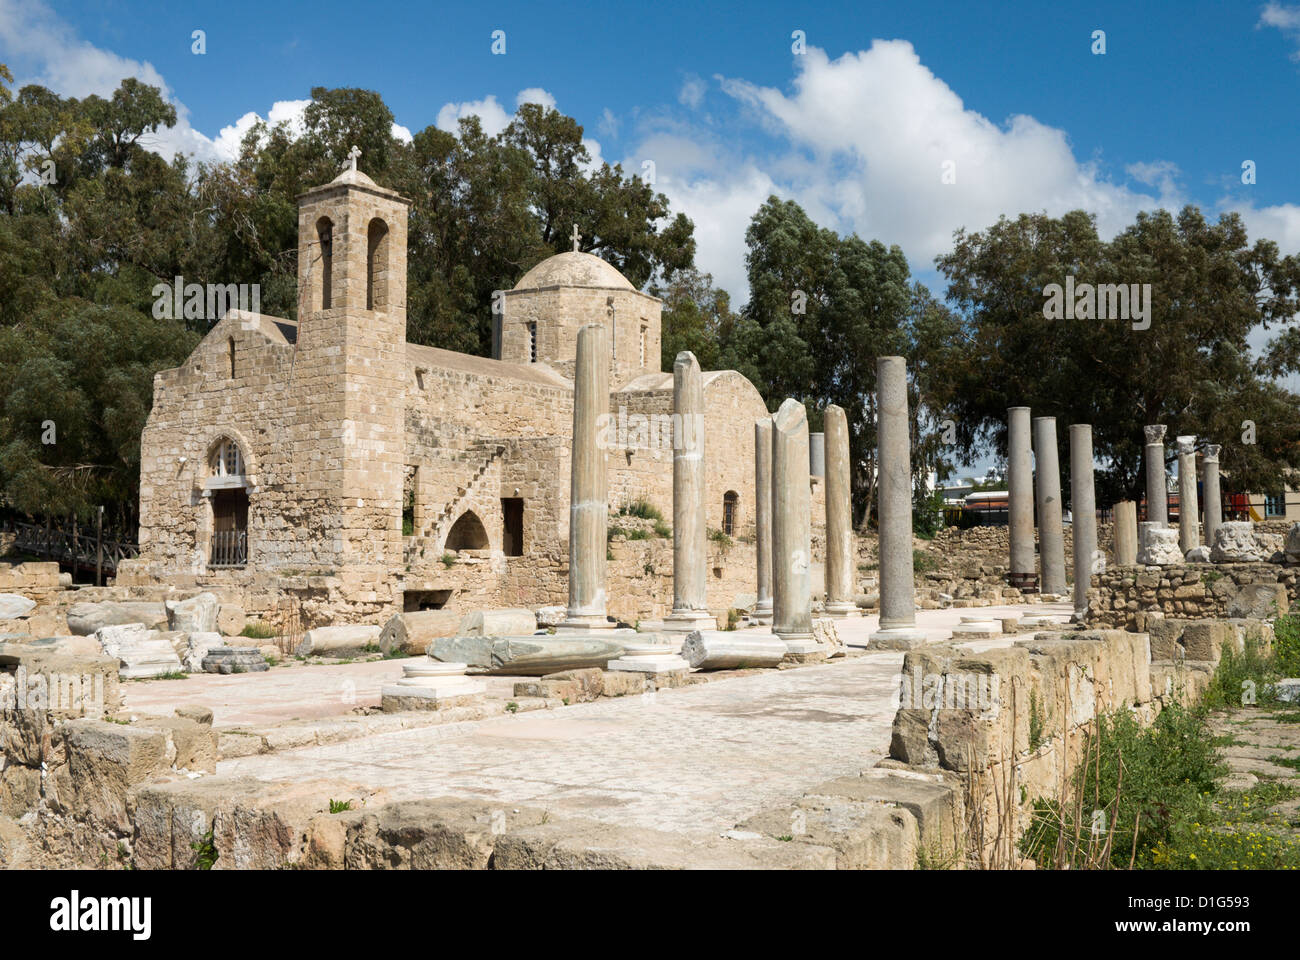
1132, 597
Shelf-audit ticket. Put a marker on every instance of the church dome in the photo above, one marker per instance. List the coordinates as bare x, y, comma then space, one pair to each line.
574, 269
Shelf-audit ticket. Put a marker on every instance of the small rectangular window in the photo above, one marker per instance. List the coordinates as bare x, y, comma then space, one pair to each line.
512, 518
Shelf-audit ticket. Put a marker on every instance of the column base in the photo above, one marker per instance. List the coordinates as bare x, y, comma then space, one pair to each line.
802, 648
762, 613
897, 638
652, 658
585, 625
688, 621
839, 609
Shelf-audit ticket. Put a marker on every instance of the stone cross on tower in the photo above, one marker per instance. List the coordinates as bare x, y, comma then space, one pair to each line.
352, 156
576, 237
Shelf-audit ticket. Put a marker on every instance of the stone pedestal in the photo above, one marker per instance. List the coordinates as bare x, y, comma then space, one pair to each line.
1213, 501
1023, 574
1083, 507
1126, 533
649, 657
1188, 510
839, 517
690, 536
763, 518
589, 489
1157, 490
431, 685
976, 626
1047, 490
791, 529
894, 461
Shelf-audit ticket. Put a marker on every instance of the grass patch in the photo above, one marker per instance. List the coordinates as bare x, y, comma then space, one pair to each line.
663, 531
340, 806
448, 559
258, 631
923, 561
641, 508
720, 538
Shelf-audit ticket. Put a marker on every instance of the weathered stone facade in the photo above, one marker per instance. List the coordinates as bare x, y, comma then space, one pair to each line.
283, 450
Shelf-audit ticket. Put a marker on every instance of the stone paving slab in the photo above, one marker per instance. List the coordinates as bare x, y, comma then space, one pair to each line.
697, 759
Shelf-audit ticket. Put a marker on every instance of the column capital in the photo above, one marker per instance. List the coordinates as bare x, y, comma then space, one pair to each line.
1212, 453
1155, 433
1186, 445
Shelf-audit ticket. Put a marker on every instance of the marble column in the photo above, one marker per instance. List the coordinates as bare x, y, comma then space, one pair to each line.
1213, 501
839, 517
817, 454
588, 490
1126, 533
1047, 491
792, 529
1083, 506
1188, 511
1157, 492
690, 537
763, 517
1020, 500
894, 465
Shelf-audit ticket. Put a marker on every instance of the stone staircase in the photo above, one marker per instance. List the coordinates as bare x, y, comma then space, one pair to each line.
422, 544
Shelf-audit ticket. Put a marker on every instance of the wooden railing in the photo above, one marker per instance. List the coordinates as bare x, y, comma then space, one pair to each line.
70, 543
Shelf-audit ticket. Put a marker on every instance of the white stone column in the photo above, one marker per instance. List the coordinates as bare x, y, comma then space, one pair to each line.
690, 536
763, 517
1157, 491
817, 454
1126, 533
1047, 489
1083, 506
1188, 511
894, 463
792, 529
1213, 500
1023, 574
839, 517
588, 496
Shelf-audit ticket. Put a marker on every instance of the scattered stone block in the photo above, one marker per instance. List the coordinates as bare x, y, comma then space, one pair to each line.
620, 683
231, 620
13, 606
1259, 601
197, 646
551, 616
198, 614
141, 652
590, 682
84, 619
1288, 690
732, 650
1199, 554
431, 685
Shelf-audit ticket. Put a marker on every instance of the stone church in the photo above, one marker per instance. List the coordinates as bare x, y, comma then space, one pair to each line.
330, 455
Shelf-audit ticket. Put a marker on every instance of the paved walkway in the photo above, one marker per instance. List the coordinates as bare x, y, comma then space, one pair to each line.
696, 760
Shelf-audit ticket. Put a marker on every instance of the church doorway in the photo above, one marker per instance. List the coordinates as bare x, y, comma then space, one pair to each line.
229, 528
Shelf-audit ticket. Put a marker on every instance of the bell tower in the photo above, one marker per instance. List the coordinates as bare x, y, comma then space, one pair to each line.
351, 366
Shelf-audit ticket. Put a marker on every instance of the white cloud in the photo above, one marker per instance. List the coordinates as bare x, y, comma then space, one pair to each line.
47, 50
535, 95
692, 92
402, 133
608, 123
1286, 19
491, 115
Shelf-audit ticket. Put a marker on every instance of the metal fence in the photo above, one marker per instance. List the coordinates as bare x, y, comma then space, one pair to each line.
229, 548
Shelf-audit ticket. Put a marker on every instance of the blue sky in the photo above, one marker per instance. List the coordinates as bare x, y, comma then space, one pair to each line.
857, 129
